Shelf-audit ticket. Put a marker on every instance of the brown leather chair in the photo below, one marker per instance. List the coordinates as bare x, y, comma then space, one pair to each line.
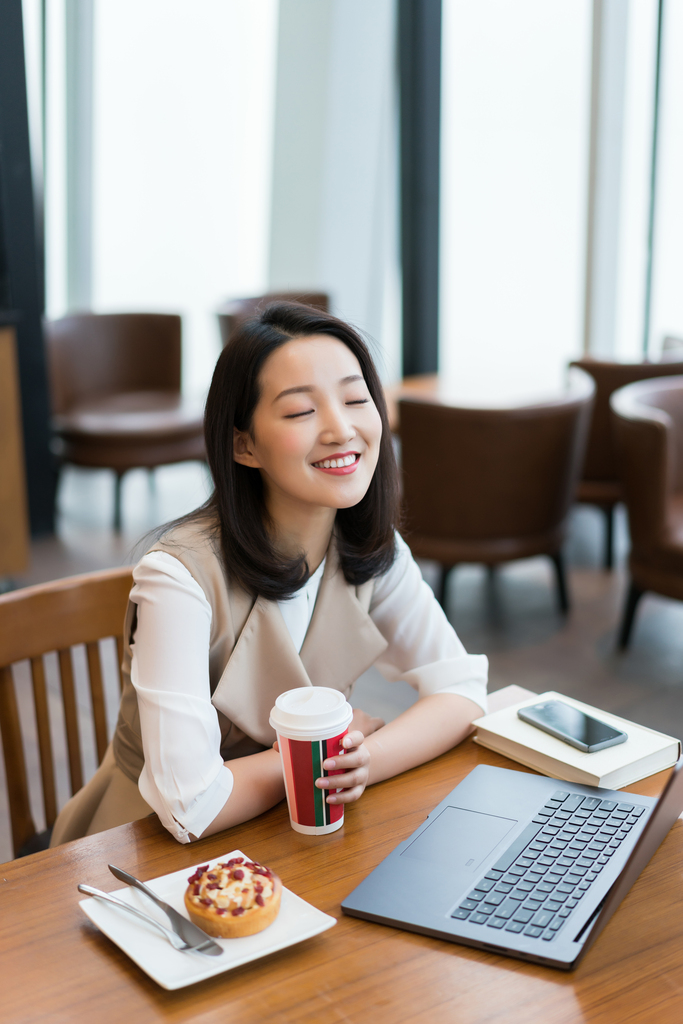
492, 485
234, 312
600, 484
116, 401
648, 431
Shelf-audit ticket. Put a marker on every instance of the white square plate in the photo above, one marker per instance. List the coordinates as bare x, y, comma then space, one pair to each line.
172, 968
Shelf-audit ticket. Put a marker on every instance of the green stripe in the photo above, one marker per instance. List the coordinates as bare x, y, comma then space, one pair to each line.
319, 793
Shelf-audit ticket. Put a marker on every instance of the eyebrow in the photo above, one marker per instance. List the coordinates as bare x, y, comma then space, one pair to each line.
308, 388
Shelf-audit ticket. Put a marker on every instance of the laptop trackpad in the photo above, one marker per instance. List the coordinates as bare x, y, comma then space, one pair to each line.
459, 838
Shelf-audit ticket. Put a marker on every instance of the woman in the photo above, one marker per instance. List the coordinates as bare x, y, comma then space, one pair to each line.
291, 574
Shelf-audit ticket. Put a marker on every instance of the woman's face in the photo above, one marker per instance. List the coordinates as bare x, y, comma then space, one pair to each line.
316, 431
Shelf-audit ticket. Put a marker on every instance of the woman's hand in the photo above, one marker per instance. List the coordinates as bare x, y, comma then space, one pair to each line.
365, 723
355, 762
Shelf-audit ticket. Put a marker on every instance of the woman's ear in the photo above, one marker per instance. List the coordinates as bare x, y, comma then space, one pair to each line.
242, 449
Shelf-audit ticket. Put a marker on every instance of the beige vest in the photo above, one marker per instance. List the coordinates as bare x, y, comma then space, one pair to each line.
252, 658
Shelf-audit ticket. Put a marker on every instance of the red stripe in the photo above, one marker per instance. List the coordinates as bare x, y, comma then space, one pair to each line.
302, 768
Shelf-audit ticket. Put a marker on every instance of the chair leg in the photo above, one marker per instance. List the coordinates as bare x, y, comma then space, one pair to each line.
561, 578
609, 536
117, 502
634, 596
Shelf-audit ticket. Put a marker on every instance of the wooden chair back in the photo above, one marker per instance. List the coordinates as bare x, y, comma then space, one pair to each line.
35, 621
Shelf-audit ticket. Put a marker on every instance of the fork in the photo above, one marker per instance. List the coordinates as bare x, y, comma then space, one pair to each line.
174, 939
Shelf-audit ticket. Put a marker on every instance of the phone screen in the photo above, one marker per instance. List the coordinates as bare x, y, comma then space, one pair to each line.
569, 723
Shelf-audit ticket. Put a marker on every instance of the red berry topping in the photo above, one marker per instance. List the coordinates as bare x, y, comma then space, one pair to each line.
238, 874
258, 887
202, 869
213, 885
260, 900
221, 910
211, 876
237, 911
196, 890
207, 903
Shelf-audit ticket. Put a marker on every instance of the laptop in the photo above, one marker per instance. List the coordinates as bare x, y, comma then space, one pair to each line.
519, 864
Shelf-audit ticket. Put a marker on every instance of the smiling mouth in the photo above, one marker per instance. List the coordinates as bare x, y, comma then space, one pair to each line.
340, 465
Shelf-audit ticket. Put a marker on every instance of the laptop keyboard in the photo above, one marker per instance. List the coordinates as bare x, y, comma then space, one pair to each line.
545, 873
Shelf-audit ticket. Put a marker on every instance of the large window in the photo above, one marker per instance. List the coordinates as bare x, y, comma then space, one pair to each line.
516, 83
181, 137
667, 292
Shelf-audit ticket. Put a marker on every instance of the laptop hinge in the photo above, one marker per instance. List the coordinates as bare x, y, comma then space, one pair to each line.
591, 920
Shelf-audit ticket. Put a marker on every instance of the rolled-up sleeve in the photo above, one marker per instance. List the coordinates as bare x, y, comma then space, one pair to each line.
183, 778
423, 648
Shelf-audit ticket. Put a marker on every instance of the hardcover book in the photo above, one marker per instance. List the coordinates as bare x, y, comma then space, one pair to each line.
644, 753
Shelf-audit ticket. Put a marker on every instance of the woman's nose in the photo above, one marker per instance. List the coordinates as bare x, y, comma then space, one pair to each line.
336, 427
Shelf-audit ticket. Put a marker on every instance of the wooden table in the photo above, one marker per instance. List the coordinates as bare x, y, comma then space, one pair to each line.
486, 392
55, 966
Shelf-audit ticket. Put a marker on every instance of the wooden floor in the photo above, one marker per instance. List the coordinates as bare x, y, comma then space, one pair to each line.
512, 618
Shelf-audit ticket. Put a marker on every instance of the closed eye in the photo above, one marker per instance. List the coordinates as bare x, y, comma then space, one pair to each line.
358, 401
295, 415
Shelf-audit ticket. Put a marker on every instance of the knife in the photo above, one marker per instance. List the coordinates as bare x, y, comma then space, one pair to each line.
172, 937
188, 931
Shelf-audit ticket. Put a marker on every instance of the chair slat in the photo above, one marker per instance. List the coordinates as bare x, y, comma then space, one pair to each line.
50, 616
97, 696
23, 827
119, 652
44, 741
71, 719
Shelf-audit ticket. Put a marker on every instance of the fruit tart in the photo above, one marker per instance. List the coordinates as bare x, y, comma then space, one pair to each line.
233, 899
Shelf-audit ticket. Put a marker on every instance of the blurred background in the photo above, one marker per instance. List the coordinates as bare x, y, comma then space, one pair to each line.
487, 189
240, 148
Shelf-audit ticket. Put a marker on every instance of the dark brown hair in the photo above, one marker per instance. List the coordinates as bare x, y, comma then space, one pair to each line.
364, 532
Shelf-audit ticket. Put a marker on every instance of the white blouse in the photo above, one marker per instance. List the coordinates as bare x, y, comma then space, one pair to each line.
184, 778
298, 610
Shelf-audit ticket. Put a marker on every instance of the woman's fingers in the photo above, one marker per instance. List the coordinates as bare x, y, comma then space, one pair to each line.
347, 796
355, 777
352, 780
353, 739
357, 754
352, 768
344, 788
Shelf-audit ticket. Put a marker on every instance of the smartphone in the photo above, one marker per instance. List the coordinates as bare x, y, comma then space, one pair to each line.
571, 725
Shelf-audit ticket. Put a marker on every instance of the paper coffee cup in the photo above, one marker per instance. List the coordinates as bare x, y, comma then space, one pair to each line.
311, 723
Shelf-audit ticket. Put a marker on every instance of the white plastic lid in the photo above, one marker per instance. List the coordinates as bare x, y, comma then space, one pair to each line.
311, 711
